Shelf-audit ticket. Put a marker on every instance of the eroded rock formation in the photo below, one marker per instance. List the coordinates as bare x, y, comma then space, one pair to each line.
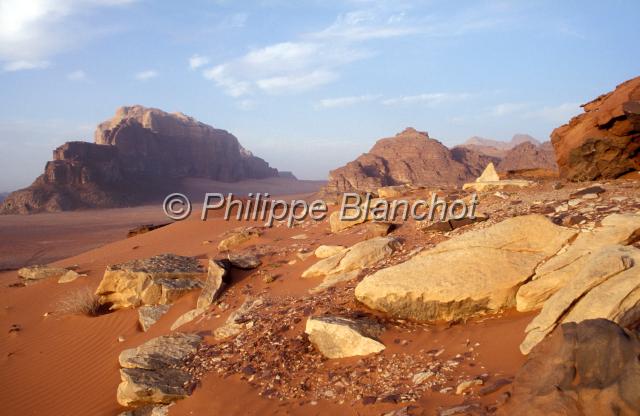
411, 157
138, 155
604, 141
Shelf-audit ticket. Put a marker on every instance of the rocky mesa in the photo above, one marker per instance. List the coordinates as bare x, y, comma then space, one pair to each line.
138, 155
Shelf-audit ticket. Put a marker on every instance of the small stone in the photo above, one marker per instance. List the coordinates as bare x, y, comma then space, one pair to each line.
268, 278
466, 385
324, 251
121, 338
590, 196
574, 202
420, 378
338, 337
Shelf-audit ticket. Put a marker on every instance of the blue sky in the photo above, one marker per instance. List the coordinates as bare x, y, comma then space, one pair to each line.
305, 84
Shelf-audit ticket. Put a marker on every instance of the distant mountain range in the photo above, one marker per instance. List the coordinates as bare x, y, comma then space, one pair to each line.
498, 144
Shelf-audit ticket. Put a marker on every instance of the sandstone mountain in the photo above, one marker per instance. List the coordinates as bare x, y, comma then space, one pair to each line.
498, 148
410, 157
527, 155
138, 155
604, 141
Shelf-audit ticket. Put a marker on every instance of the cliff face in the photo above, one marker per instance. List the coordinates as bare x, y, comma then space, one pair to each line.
604, 141
411, 157
137, 156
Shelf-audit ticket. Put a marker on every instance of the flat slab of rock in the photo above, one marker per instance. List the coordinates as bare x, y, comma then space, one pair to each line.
472, 274
217, 279
493, 185
555, 273
151, 373
341, 266
358, 256
149, 315
337, 337
158, 280
187, 317
608, 287
39, 272
245, 261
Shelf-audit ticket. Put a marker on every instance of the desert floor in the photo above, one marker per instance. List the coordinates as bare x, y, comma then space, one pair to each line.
68, 365
43, 238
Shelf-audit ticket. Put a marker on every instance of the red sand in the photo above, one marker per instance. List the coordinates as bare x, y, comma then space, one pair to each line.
61, 365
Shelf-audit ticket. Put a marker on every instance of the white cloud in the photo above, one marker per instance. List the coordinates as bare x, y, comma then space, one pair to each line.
317, 58
146, 75
296, 83
32, 31
197, 61
340, 102
362, 25
78, 75
430, 99
286, 67
24, 65
233, 87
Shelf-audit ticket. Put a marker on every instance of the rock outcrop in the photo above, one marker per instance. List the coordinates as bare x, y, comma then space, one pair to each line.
411, 157
555, 273
585, 369
608, 287
39, 272
158, 280
604, 141
489, 180
475, 273
138, 155
151, 373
